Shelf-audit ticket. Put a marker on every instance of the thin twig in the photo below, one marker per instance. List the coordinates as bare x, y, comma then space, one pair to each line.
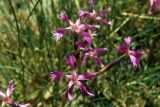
109, 66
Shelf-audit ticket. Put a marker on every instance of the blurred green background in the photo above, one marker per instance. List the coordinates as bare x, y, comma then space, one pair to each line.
28, 53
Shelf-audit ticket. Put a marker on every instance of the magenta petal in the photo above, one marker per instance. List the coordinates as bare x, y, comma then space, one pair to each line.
78, 22
99, 50
91, 4
64, 17
102, 13
10, 88
97, 59
134, 60
58, 34
80, 44
87, 76
89, 26
88, 40
82, 12
83, 89
71, 61
24, 105
127, 41
55, 75
122, 49
70, 84
103, 21
136, 53
85, 57
150, 6
14, 104
84, 34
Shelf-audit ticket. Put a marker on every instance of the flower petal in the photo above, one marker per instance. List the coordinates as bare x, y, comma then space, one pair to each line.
150, 6
2, 94
85, 57
55, 75
14, 104
127, 41
91, 4
137, 53
99, 50
87, 76
104, 22
83, 89
10, 88
103, 12
122, 49
70, 84
97, 59
88, 40
89, 26
24, 105
82, 12
86, 34
78, 22
64, 17
71, 61
134, 60
58, 34
81, 44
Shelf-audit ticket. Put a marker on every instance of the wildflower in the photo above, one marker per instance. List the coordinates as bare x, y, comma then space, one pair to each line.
133, 55
7, 100
74, 77
94, 15
76, 27
154, 5
93, 53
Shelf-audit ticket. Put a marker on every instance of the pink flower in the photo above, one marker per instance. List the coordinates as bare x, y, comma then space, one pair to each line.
7, 100
76, 27
154, 5
94, 15
74, 78
93, 53
91, 4
133, 55
58, 34
55, 75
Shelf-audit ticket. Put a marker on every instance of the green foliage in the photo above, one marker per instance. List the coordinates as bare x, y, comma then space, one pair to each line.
28, 53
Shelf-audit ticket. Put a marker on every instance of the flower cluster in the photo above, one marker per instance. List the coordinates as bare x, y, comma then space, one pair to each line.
77, 27
85, 49
83, 13
74, 77
7, 100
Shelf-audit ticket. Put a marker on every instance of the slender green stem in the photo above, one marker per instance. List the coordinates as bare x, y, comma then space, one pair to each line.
19, 45
20, 28
140, 16
109, 66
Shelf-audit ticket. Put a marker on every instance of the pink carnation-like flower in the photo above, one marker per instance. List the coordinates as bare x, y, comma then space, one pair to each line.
7, 100
154, 5
94, 15
93, 53
133, 55
74, 77
76, 27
